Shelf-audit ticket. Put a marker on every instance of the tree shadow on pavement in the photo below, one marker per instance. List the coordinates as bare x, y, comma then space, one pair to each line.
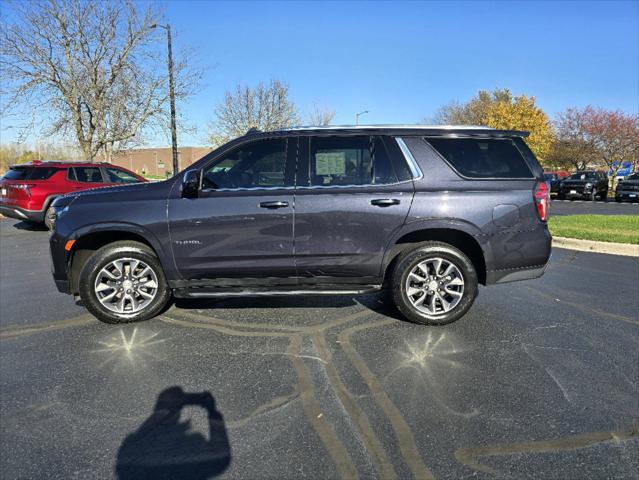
165, 448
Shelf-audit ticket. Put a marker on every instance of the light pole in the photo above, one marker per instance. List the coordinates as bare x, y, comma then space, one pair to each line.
357, 116
174, 147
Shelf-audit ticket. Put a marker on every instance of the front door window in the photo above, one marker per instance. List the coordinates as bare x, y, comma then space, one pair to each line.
260, 164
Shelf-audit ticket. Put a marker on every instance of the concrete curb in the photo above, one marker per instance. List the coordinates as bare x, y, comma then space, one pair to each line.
610, 248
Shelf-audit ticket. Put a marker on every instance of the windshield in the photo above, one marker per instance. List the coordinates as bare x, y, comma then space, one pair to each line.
582, 176
634, 176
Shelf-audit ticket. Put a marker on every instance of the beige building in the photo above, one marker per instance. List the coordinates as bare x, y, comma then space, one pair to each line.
157, 161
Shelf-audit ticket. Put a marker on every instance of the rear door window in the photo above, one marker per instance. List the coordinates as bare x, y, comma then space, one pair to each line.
483, 158
344, 161
86, 174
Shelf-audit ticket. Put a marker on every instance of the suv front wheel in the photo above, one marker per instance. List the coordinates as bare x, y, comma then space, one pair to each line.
434, 284
123, 282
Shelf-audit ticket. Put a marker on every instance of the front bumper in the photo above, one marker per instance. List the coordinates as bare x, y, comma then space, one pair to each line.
632, 195
578, 192
18, 213
59, 262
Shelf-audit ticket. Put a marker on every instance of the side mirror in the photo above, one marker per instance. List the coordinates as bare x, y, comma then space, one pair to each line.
191, 184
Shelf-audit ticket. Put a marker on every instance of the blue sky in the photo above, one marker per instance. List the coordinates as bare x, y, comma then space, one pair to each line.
402, 60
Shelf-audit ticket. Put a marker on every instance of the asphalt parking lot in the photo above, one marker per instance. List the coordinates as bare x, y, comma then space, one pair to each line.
582, 207
539, 380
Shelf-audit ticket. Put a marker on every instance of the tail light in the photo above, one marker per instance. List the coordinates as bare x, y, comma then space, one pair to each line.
26, 187
542, 199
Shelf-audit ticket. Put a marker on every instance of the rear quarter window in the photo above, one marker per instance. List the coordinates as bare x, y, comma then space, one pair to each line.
483, 158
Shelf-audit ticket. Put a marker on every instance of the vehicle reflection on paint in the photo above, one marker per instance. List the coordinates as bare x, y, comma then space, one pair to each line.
431, 362
129, 347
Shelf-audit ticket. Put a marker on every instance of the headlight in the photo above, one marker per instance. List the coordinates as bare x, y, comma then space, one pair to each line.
53, 214
58, 208
588, 186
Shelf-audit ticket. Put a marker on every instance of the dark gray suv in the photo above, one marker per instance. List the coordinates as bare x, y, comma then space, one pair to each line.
426, 213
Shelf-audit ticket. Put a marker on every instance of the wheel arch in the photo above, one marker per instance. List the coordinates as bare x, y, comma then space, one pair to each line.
459, 236
89, 241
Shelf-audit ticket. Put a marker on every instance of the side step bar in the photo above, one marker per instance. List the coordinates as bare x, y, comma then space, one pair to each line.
216, 293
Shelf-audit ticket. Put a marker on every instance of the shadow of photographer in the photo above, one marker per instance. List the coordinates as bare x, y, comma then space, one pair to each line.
166, 448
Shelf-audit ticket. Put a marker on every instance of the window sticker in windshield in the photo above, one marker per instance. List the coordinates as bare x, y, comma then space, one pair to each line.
330, 163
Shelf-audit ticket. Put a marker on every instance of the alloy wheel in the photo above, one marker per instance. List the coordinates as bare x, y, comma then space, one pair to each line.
126, 286
435, 286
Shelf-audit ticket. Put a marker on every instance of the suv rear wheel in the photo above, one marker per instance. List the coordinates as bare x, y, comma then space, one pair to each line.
123, 282
434, 284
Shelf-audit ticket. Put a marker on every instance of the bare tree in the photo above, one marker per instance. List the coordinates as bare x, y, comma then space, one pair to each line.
91, 70
265, 107
320, 115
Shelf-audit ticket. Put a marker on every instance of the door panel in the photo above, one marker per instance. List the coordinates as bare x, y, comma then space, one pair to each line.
228, 234
241, 224
347, 205
339, 233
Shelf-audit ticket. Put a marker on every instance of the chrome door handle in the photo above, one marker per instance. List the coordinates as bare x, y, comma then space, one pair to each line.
384, 202
276, 204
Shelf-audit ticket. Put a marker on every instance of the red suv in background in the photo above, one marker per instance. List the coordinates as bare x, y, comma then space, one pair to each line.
27, 189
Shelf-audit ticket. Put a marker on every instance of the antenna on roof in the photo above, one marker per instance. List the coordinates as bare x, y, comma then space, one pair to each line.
253, 130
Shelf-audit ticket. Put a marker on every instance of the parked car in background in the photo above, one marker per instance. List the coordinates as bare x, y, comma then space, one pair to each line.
589, 184
427, 213
628, 189
28, 189
554, 179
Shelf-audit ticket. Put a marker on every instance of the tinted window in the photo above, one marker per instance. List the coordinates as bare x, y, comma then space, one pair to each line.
16, 173
634, 176
87, 174
115, 175
483, 158
583, 176
259, 164
350, 161
30, 173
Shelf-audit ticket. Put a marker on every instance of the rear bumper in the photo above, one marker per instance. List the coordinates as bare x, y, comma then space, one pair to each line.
12, 211
521, 255
515, 274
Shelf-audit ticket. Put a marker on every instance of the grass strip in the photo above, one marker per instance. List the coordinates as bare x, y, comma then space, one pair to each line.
602, 228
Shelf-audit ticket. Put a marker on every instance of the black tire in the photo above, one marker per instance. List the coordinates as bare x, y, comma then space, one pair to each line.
410, 260
107, 254
618, 199
561, 196
47, 220
604, 196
